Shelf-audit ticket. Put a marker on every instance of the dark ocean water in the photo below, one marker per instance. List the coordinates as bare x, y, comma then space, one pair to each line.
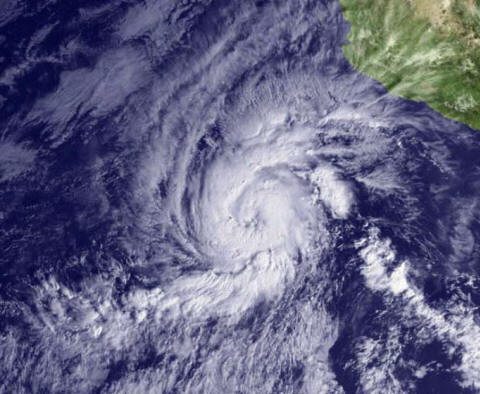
205, 197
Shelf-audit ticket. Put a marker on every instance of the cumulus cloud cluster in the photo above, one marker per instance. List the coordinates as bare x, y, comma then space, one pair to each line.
192, 210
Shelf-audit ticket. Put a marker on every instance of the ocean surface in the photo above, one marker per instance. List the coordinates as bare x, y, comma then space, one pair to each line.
205, 197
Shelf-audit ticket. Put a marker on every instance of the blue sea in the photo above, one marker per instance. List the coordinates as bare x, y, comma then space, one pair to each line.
205, 197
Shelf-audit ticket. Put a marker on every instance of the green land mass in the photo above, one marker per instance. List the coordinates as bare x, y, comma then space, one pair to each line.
424, 50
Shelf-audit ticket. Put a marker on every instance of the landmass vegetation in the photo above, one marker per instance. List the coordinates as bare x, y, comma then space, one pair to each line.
422, 50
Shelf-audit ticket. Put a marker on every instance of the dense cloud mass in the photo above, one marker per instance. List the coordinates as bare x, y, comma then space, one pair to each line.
205, 197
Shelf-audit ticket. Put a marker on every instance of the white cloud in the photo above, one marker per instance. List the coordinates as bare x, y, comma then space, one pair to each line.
456, 323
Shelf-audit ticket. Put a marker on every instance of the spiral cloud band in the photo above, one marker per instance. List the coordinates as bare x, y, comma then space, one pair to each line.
231, 208
258, 211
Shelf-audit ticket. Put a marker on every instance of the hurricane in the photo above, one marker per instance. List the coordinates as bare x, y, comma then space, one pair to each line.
206, 197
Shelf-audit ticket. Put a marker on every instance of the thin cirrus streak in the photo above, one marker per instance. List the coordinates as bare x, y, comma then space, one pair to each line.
216, 202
